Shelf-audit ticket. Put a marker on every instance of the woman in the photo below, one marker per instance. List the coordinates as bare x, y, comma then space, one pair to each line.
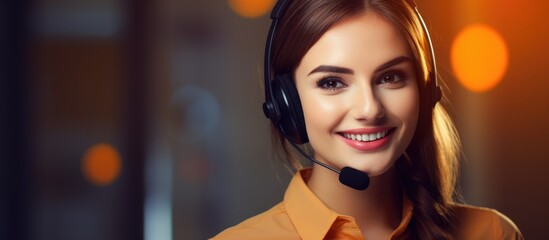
357, 80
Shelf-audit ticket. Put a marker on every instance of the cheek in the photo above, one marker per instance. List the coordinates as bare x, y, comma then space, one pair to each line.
322, 113
405, 106
410, 109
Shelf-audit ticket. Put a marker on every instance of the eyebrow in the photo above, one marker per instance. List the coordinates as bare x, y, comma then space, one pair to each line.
336, 69
390, 63
333, 69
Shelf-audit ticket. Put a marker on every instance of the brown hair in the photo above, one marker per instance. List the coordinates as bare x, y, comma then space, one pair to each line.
428, 169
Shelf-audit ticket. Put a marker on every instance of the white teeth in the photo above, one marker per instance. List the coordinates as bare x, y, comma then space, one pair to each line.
366, 137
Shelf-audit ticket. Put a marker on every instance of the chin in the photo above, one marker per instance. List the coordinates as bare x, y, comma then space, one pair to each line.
374, 170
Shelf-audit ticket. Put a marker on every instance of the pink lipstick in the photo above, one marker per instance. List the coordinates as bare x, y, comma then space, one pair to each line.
367, 139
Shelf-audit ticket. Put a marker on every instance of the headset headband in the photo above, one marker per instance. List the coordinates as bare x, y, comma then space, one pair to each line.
268, 108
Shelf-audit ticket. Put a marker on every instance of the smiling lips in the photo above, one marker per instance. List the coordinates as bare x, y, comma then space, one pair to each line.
367, 139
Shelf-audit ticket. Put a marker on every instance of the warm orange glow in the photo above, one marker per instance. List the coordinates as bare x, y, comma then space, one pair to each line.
251, 8
101, 164
479, 57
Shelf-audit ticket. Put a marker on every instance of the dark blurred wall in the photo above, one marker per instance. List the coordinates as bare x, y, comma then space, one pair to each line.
69, 82
14, 139
208, 117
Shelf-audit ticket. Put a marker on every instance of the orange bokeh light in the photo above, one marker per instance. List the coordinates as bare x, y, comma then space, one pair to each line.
479, 57
251, 8
101, 164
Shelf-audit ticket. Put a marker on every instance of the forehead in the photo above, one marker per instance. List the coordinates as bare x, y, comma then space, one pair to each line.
361, 41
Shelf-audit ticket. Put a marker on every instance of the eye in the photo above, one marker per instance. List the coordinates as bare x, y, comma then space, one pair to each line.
393, 79
330, 83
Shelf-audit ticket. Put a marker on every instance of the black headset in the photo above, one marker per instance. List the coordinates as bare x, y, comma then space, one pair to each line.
282, 104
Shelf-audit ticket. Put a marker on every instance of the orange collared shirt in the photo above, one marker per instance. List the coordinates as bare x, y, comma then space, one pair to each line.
303, 216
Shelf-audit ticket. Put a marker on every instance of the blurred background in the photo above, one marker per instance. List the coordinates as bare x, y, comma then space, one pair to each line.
142, 119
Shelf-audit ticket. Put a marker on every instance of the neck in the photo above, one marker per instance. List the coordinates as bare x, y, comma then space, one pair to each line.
378, 208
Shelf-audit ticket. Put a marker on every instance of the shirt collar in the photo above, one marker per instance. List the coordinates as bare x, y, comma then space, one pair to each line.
407, 209
312, 219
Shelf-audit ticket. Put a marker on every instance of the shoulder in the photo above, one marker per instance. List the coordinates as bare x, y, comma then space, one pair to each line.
484, 223
271, 224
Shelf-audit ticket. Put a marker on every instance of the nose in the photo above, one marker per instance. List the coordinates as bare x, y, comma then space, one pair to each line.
367, 105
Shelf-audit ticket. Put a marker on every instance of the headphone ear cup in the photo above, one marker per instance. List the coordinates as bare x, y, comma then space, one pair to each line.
287, 100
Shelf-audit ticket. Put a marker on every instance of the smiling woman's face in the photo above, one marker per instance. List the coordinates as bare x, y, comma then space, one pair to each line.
359, 94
